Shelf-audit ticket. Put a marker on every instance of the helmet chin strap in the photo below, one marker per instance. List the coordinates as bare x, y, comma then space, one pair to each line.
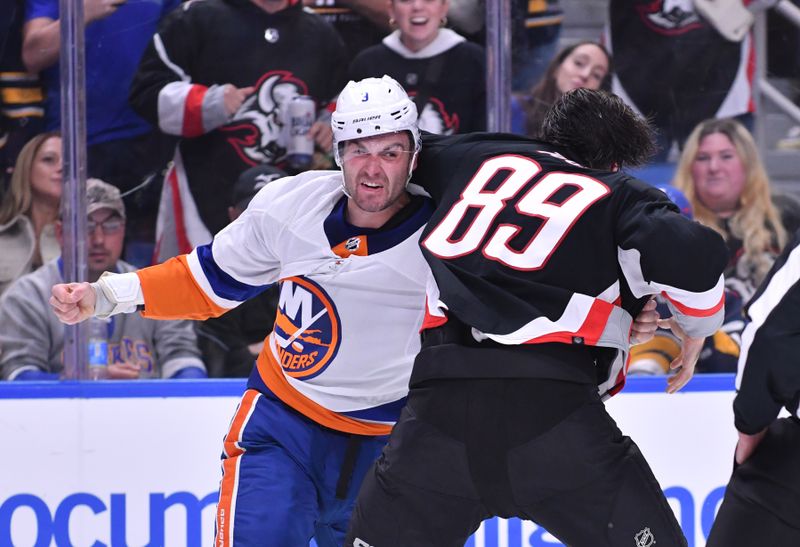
411, 166
344, 186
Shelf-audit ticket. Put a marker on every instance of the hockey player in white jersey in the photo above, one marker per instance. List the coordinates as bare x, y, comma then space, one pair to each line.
333, 375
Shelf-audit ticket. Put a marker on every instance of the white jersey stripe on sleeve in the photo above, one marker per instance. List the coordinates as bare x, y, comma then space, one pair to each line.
700, 302
171, 101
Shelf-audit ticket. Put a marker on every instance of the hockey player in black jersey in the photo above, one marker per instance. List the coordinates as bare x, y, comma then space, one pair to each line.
541, 254
762, 500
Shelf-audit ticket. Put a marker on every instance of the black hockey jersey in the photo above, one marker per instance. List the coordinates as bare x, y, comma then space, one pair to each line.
446, 79
769, 362
528, 247
199, 48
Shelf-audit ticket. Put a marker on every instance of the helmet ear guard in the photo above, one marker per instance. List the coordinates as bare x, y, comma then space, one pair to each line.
371, 107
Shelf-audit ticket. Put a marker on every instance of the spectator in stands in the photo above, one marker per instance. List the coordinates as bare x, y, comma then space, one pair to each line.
122, 148
21, 109
674, 66
584, 64
220, 74
30, 208
231, 342
443, 73
32, 338
722, 175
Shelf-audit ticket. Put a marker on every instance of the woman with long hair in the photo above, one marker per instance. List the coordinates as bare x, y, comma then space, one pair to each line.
583, 64
722, 175
30, 208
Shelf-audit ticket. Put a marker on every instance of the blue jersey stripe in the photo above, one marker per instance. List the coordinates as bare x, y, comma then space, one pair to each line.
388, 412
222, 283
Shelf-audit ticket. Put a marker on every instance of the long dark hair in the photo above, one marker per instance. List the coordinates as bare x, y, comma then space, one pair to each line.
545, 92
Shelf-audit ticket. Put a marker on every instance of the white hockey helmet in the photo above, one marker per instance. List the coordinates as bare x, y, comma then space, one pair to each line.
370, 107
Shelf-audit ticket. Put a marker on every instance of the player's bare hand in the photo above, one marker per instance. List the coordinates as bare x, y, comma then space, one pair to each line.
645, 324
684, 363
123, 371
747, 445
73, 302
322, 134
99, 9
233, 97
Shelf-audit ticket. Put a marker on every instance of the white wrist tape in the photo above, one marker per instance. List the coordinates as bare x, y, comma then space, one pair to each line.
117, 293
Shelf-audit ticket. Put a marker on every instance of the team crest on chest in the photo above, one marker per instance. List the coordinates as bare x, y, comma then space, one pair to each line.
256, 132
307, 328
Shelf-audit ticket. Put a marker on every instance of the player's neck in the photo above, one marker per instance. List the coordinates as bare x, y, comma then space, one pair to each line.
374, 219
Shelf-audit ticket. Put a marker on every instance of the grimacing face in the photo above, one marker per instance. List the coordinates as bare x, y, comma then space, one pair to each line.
375, 171
718, 173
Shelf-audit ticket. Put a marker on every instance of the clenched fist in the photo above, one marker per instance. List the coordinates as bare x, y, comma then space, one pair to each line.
73, 302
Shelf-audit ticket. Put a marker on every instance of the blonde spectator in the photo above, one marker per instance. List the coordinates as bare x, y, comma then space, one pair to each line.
723, 177
30, 208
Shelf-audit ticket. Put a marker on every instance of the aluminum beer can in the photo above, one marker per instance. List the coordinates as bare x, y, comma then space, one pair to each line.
301, 114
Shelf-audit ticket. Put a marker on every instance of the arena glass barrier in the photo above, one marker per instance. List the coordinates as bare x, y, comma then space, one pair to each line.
137, 463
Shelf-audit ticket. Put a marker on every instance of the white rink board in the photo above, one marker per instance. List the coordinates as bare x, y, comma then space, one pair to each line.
121, 463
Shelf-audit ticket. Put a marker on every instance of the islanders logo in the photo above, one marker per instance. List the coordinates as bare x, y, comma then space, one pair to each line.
307, 328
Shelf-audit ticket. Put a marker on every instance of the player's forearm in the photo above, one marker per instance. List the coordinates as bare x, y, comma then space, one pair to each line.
41, 45
172, 291
190, 110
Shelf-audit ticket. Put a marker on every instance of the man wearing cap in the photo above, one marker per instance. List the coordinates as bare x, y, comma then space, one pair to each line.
230, 343
32, 339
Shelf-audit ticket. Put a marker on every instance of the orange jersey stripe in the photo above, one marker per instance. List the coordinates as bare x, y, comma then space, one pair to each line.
171, 292
272, 375
230, 469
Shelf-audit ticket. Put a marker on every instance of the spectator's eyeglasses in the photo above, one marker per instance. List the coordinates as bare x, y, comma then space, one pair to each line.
110, 226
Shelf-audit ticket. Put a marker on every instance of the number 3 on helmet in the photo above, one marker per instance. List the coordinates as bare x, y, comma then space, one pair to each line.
370, 107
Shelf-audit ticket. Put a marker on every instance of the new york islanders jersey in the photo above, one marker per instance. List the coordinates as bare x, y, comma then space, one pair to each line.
350, 306
528, 247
